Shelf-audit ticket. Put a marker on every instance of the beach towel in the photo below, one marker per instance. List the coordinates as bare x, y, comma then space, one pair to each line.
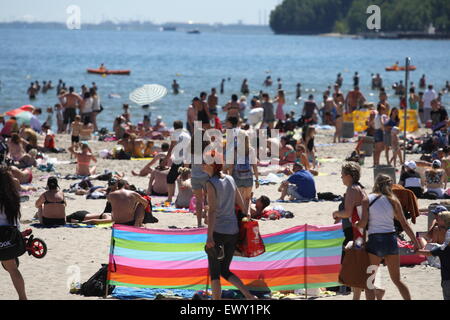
300, 257
162, 209
106, 225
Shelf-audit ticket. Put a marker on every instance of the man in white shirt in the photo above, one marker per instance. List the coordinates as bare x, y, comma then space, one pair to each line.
428, 96
179, 136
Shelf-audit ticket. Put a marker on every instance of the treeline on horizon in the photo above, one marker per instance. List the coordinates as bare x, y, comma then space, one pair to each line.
350, 17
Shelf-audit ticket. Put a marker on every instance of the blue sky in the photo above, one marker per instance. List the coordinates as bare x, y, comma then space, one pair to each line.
157, 11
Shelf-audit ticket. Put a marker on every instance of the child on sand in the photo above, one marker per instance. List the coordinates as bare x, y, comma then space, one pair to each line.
257, 210
76, 128
396, 151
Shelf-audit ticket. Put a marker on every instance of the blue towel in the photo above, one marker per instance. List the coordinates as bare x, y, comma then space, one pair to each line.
125, 293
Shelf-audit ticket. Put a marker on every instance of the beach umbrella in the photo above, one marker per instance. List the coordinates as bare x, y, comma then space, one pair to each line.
148, 93
24, 117
25, 108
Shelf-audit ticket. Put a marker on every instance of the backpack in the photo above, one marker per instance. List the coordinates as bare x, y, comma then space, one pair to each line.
96, 285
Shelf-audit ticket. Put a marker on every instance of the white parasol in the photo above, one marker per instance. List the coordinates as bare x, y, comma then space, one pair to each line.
148, 93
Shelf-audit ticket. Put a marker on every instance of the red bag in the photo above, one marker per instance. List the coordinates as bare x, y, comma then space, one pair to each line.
250, 243
407, 259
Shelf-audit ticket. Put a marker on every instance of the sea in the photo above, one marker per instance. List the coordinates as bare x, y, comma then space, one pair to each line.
199, 62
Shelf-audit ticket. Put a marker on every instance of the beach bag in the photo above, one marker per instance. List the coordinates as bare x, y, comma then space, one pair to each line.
250, 243
12, 244
354, 268
96, 285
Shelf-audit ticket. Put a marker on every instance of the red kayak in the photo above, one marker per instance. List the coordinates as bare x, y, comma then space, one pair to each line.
397, 68
118, 72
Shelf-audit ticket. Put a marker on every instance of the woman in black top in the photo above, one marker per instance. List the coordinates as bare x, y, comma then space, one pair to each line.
52, 205
9, 217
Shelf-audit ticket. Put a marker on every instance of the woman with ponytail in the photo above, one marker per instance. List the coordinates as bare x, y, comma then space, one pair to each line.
382, 244
52, 205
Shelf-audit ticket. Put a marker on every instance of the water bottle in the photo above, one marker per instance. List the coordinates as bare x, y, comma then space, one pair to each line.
75, 287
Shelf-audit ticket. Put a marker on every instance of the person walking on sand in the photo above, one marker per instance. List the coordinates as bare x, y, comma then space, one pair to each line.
223, 230
84, 158
355, 203
9, 219
382, 243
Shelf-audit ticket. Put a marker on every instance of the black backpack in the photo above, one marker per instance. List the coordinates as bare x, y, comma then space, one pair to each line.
96, 285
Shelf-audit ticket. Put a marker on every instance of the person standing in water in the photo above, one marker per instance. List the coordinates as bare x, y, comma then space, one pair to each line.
222, 86
280, 99
175, 87
298, 91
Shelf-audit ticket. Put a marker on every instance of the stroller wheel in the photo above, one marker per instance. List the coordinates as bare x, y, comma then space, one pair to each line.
37, 248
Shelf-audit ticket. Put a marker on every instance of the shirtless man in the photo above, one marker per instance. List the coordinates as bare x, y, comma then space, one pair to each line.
213, 100
84, 158
354, 99
32, 91
70, 102
128, 207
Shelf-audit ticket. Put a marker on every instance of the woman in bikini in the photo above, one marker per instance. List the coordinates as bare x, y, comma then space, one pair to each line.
436, 179
52, 205
287, 152
280, 99
84, 158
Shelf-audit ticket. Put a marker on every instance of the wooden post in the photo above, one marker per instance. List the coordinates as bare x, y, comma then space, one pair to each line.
407, 64
111, 250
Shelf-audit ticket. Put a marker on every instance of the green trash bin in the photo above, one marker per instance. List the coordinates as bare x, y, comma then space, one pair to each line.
348, 130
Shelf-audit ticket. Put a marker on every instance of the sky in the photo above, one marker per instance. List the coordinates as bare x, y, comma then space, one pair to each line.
156, 11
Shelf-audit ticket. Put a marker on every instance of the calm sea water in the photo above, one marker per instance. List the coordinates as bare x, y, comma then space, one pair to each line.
199, 62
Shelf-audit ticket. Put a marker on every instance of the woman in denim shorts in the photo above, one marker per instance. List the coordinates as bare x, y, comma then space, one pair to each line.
382, 243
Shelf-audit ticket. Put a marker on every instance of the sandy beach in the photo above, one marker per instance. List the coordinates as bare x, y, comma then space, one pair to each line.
88, 248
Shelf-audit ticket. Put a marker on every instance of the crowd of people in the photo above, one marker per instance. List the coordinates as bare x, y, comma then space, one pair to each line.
215, 189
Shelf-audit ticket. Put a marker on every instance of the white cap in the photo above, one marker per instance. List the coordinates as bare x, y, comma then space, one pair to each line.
411, 164
437, 163
159, 118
